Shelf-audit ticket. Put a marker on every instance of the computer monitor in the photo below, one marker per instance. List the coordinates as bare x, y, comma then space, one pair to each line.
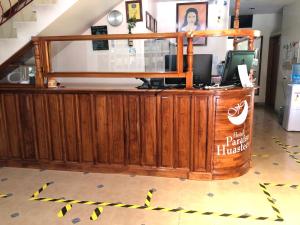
233, 59
202, 64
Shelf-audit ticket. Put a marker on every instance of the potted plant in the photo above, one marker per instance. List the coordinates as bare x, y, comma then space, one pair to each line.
131, 24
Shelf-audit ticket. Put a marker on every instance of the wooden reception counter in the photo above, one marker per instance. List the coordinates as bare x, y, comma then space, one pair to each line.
195, 134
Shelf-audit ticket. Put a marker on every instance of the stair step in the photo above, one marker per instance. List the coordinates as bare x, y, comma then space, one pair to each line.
7, 30
49, 14
45, 1
7, 4
26, 18
26, 14
25, 28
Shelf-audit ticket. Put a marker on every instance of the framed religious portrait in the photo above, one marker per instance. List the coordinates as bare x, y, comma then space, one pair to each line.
192, 16
134, 11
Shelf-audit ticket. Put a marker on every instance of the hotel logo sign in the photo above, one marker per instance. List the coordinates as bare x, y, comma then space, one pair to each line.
239, 140
237, 115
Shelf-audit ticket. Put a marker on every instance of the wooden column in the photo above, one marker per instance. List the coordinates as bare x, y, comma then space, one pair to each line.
251, 43
47, 63
39, 79
189, 73
180, 53
236, 24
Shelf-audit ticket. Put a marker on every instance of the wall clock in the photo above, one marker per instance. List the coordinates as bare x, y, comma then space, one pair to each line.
115, 18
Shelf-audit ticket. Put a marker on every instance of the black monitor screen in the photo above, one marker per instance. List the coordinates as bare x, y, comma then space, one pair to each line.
202, 64
233, 59
245, 21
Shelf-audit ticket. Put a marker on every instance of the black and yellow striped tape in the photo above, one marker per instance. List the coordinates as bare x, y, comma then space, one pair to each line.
36, 194
285, 145
271, 201
64, 210
285, 148
163, 209
97, 212
294, 186
149, 198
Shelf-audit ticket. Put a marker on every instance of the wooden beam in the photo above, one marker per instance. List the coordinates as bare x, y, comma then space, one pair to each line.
228, 33
115, 74
110, 37
236, 24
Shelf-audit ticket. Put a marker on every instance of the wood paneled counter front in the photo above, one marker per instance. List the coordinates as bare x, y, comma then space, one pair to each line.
195, 134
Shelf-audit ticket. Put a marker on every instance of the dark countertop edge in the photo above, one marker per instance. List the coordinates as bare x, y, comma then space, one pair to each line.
127, 90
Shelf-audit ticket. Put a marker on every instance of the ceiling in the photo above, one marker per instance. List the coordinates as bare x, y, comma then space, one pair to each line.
260, 6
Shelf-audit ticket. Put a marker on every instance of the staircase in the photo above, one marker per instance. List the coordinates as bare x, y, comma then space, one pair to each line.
49, 17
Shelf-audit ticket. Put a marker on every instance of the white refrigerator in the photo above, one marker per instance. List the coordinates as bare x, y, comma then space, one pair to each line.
291, 119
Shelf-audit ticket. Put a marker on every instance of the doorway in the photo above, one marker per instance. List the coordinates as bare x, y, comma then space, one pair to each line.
272, 72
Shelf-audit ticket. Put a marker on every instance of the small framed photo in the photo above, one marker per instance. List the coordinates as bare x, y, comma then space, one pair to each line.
148, 20
155, 26
99, 44
134, 10
192, 17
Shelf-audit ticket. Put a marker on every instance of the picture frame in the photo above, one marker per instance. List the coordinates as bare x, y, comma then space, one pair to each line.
99, 44
258, 44
152, 23
134, 11
192, 16
148, 20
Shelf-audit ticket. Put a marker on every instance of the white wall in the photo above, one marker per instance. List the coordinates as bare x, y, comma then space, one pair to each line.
79, 56
290, 32
268, 24
166, 17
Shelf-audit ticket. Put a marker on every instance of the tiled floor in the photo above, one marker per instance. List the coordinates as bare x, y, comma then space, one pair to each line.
237, 196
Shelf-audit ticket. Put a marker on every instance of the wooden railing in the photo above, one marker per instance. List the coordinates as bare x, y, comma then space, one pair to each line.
43, 54
13, 9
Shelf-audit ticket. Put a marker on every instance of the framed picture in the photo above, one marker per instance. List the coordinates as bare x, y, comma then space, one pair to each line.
152, 23
258, 45
99, 44
134, 10
155, 26
148, 20
192, 16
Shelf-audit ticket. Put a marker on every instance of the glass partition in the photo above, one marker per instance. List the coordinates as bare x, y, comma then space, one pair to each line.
140, 55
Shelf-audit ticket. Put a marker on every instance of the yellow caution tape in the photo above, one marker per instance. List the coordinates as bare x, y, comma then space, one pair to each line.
64, 210
163, 209
96, 213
